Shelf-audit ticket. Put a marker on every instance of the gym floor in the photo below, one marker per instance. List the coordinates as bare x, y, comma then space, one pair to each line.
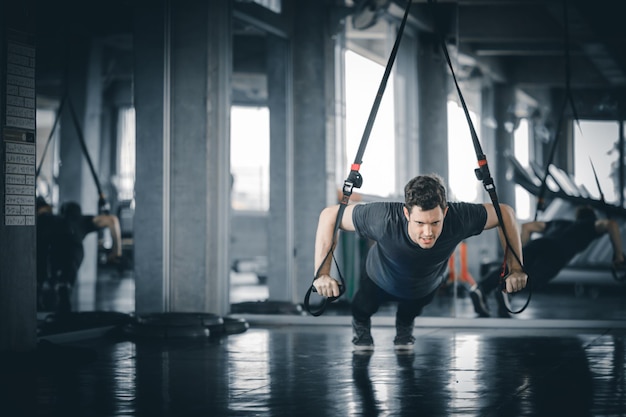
552, 360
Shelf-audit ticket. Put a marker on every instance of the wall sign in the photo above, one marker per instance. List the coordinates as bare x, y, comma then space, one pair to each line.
18, 130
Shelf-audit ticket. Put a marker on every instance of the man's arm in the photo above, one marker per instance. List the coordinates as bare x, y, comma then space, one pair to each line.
516, 280
612, 228
529, 228
113, 224
324, 284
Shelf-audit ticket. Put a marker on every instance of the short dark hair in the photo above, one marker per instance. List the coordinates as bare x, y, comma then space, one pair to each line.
585, 213
426, 192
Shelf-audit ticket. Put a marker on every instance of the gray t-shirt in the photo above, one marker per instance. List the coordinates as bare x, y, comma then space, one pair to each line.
397, 264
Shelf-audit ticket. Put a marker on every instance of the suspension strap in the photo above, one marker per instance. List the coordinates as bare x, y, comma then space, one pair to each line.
482, 172
541, 205
103, 204
595, 175
354, 179
50, 136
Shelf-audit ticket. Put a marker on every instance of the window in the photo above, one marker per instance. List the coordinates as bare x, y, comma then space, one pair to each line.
249, 158
597, 142
362, 82
273, 5
126, 154
521, 150
463, 184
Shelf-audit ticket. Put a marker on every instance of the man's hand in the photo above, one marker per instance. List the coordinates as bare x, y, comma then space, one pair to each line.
515, 281
326, 286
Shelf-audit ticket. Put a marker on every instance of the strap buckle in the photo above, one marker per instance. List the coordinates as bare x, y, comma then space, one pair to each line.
354, 180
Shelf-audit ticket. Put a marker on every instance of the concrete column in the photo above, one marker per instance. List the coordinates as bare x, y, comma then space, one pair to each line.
280, 243
563, 156
406, 111
432, 78
312, 110
152, 118
83, 89
18, 320
73, 171
183, 164
504, 104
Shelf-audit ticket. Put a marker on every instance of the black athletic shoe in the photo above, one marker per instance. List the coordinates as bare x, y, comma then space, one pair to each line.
404, 339
480, 305
503, 304
362, 339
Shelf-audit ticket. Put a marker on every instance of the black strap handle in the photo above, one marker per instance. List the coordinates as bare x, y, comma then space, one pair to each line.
327, 300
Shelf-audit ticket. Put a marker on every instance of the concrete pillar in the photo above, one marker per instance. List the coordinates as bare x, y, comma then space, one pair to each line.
504, 105
83, 89
432, 78
312, 111
72, 178
182, 99
18, 320
407, 121
280, 243
152, 107
564, 154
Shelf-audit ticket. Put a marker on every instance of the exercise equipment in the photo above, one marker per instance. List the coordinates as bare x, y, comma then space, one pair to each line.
58, 323
179, 325
103, 204
174, 325
568, 100
354, 179
482, 172
530, 181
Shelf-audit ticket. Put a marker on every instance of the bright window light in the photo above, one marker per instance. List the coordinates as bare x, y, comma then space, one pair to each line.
596, 141
250, 157
463, 185
521, 150
362, 81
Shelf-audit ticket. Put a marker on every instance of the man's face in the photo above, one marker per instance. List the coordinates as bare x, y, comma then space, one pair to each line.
425, 226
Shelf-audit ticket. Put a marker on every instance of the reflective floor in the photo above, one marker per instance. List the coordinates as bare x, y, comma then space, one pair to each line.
310, 370
540, 363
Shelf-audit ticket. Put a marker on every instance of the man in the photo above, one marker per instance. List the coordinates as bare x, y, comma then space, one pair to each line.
545, 256
407, 261
62, 236
49, 227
